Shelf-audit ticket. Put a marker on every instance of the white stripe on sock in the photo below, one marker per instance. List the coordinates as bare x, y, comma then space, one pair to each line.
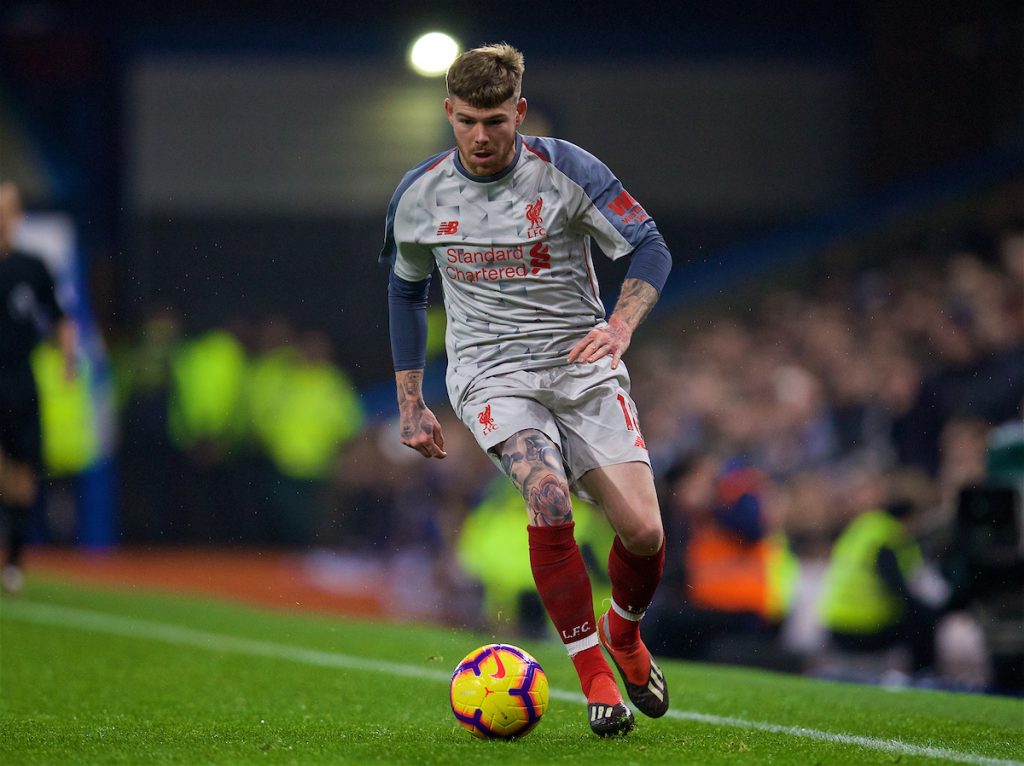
584, 643
631, 616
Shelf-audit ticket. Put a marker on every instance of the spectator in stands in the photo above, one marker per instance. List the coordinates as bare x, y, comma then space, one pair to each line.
146, 458
364, 492
306, 410
727, 590
205, 417
982, 480
868, 603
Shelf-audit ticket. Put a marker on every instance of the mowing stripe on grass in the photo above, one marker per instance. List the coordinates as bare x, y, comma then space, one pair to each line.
102, 622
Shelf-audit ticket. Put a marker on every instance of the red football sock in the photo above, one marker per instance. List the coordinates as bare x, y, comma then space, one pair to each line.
564, 588
596, 677
634, 580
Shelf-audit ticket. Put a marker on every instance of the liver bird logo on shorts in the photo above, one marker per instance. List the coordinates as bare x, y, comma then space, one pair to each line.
484, 416
533, 216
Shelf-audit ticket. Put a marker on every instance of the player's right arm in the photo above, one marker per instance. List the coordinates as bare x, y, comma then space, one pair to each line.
408, 285
407, 311
417, 425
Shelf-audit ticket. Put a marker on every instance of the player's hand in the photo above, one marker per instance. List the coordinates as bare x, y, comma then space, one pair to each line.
420, 430
611, 340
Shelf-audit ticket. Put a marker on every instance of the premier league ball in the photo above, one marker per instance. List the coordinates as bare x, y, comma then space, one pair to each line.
499, 691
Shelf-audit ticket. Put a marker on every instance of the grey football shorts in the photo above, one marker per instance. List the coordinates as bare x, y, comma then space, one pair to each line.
585, 409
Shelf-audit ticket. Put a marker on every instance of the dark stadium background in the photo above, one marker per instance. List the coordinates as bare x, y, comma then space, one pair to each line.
725, 118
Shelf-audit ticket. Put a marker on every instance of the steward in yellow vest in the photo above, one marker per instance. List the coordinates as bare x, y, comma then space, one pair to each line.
69, 435
207, 376
309, 411
731, 583
734, 564
866, 603
493, 547
303, 410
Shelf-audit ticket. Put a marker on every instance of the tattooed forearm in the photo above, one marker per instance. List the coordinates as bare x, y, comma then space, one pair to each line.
410, 384
635, 302
409, 418
410, 403
532, 462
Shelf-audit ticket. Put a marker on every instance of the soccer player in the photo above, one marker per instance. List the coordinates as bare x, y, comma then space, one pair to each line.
28, 312
534, 368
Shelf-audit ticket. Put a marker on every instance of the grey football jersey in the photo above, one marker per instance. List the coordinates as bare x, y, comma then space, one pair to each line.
513, 251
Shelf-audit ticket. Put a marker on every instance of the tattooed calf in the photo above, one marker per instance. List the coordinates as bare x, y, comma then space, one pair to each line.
532, 461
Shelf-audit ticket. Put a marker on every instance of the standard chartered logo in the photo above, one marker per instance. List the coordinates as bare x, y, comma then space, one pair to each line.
492, 264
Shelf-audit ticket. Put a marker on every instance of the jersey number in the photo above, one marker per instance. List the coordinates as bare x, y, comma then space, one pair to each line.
629, 413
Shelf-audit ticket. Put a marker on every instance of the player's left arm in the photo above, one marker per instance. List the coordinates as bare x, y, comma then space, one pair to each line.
648, 271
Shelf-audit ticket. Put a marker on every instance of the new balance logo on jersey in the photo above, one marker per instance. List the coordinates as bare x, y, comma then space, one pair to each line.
447, 228
533, 216
540, 258
487, 420
627, 208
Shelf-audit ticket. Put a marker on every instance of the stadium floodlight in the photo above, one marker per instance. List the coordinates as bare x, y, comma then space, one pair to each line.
432, 53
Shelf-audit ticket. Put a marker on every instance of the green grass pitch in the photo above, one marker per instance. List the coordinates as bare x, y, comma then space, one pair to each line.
129, 677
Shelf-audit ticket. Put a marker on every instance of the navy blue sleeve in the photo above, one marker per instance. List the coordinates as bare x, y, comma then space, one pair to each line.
651, 261
407, 312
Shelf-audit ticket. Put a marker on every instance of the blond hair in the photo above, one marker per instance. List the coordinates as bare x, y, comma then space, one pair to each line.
488, 76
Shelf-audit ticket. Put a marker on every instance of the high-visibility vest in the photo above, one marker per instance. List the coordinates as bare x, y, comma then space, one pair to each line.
69, 435
854, 598
266, 387
315, 413
207, 378
783, 577
726, 573
494, 547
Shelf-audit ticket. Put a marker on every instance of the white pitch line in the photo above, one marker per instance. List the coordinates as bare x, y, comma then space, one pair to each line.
102, 622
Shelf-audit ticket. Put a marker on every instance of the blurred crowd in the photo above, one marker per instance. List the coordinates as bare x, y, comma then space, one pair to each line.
229, 435
907, 365
772, 427
817, 451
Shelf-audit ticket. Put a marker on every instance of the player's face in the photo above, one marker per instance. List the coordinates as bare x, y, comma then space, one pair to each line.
486, 137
